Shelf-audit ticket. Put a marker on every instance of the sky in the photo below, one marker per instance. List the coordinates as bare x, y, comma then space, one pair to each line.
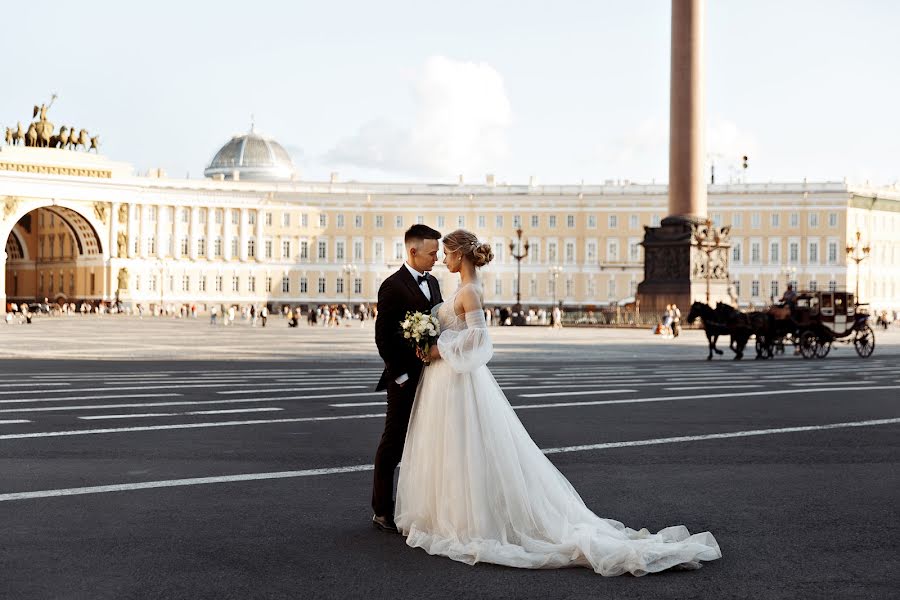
564, 91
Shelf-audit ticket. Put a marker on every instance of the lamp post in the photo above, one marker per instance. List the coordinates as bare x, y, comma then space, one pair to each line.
161, 265
853, 253
349, 270
555, 272
709, 239
790, 273
519, 318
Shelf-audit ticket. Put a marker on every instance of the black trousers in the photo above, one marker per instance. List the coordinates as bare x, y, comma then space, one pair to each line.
390, 448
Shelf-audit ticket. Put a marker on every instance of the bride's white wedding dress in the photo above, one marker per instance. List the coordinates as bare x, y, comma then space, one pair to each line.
474, 486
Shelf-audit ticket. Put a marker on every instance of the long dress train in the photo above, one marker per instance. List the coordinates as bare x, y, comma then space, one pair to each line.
474, 486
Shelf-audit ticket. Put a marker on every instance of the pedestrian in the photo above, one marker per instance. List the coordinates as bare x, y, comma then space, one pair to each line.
252, 315
213, 313
264, 314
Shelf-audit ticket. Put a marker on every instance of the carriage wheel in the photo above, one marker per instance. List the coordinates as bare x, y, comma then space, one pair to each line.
864, 341
809, 344
761, 350
823, 349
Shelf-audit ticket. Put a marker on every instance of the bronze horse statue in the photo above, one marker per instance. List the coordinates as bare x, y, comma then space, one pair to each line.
722, 320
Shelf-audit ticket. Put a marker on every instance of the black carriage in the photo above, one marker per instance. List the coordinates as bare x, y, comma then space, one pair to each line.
818, 320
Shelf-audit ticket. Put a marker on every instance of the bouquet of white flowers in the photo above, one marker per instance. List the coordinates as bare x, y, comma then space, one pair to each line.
422, 330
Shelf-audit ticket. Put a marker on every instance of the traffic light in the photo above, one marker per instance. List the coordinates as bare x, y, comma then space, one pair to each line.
745, 161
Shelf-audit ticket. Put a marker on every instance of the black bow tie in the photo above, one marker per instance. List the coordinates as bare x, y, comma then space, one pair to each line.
422, 278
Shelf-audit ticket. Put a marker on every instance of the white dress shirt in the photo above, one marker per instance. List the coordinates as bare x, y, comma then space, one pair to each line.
425, 290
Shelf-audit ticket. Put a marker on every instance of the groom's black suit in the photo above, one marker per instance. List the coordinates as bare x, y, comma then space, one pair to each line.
399, 294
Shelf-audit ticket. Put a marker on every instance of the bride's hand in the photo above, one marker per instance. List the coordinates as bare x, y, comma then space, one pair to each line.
434, 353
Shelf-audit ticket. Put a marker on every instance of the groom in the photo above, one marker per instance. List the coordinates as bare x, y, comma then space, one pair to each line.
410, 289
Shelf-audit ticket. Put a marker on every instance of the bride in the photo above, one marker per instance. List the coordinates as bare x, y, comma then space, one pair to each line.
474, 486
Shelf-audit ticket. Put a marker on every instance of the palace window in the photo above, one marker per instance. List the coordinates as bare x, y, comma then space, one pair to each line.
592, 221
755, 220
323, 250
286, 219
285, 284
340, 220
612, 251
794, 252
420, 220
570, 252
235, 247
570, 221
517, 221
654, 220
736, 253
591, 252
832, 285
358, 221
339, 285
794, 220
773, 289
218, 283
323, 220
498, 221
151, 245
813, 252
813, 285
186, 283
251, 217
151, 213
737, 220
286, 249
304, 250
832, 219
737, 288
357, 286
153, 283
201, 246
551, 221
754, 288
551, 252
774, 247
219, 215
321, 285
304, 220
235, 283
235, 216
498, 252
217, 247
268, 284
185, 246
357, 250
535, 221
634, 252
776, 220
268, 248
832, 253
268, 218
532, 287
611, 293
251, 248
185, 215
201, 283
378, 251
339, 250
498, 287
613, 221
251, 283
398, 250
304, 285
440, 221
379, 221
755, 253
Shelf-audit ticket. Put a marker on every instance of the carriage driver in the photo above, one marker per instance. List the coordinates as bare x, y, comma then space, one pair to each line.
790, 296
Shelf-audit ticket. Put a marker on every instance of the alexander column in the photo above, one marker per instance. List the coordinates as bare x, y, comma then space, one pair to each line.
675, 269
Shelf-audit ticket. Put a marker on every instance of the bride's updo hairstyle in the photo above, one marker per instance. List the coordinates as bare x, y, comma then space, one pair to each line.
467, 243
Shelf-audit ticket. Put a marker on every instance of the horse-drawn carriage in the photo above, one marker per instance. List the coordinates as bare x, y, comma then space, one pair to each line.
818, 320
812, 323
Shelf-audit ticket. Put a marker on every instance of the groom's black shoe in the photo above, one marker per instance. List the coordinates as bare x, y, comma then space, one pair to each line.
384, 524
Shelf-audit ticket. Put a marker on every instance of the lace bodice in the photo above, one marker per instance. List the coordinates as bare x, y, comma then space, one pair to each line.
446, 310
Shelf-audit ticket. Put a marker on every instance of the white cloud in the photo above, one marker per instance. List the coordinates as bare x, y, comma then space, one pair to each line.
461, 124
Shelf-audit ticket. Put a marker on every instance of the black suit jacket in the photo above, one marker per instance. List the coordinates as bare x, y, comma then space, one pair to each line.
398, 295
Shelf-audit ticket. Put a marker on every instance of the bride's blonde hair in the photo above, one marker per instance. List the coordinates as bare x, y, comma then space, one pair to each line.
466, 242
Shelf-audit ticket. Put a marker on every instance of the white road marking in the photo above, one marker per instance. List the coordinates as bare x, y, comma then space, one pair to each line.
14, 421
309, 389
350, 404
42, 434
179, 414
29, 384
30, 400
145, 485
723, 395
706, 387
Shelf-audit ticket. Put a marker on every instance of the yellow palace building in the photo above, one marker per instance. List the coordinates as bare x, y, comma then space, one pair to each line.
80, 226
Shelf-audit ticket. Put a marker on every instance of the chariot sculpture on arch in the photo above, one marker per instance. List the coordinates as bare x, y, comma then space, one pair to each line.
40, 133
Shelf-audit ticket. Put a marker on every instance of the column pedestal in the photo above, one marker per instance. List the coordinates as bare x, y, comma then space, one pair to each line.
675, 268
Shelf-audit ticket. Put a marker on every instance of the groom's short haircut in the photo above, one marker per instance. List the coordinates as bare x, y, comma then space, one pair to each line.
419, 233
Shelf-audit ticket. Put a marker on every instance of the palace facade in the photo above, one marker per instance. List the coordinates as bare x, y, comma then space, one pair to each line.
80, 226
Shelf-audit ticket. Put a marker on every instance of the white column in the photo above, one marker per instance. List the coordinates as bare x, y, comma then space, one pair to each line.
3, 257
210, 232
113, 229
129, 230
194, 228
260, 244
176, 232
226, 234
242, 229
160, 251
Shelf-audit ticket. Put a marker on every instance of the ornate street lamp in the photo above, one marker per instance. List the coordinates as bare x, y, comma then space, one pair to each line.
519, 318
349, 270
709, 240
853, 253
555, 272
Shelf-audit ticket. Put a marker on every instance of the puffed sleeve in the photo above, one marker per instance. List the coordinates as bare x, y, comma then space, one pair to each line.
470, 348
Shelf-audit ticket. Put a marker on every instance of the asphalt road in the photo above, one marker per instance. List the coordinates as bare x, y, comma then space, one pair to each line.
237, 479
